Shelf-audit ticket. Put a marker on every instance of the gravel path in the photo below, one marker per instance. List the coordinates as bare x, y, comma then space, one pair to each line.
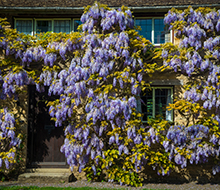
83, 183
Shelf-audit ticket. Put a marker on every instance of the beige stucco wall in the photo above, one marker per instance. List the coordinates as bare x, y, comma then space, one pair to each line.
176, 41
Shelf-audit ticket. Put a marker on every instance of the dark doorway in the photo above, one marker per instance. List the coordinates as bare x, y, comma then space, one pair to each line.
44, 139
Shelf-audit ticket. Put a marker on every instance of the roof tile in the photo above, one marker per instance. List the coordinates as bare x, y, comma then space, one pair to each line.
115, 3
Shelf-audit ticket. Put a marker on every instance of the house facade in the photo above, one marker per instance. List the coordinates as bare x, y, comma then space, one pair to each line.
35, 16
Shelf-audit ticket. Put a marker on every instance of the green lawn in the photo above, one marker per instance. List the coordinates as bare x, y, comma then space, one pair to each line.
45, 188
57, 188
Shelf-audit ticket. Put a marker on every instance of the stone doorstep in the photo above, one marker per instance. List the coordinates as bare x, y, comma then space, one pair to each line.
48, 170
46, 175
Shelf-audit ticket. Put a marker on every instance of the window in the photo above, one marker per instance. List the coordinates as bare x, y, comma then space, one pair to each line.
62, 26
43, 26
154, 30
24, 26
76, 23
33, 26
154, 101
58, 25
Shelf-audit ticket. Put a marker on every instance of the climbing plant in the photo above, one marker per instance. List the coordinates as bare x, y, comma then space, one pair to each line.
98, 75
197, 57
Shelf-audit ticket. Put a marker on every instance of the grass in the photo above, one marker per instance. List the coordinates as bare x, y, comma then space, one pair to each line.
45, 188
58, 188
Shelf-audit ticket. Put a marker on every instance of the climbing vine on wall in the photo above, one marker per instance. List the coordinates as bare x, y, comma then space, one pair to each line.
99, 73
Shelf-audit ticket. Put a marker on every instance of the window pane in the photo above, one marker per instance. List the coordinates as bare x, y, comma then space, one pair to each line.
159, 31
162, 100
24, 26
147, 104
154, 103
62, 26
146, 27
76, 23
43, 26
167, 34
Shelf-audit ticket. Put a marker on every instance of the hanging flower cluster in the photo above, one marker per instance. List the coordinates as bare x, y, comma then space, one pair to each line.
9, 140
189, 138
98, 76
196, 56
98, 93
22, 59
199, 32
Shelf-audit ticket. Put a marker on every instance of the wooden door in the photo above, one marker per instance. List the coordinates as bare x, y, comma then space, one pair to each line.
44, 139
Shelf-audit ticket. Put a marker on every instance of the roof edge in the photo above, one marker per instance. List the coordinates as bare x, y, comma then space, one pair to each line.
131, 7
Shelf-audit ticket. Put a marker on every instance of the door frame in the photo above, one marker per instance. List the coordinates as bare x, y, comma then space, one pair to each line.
30, 163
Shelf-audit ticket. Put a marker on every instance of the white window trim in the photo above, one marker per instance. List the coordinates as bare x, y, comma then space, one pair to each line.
153, 97
152, 31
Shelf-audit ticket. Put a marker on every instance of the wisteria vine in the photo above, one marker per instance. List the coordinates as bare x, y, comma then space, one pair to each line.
196, 56
98, 95
9, 139
98, 75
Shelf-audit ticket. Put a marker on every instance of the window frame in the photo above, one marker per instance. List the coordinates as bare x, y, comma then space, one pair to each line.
139, 104
73, 24
58, 19
152, 31
41, 19
52, 23
34, 23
